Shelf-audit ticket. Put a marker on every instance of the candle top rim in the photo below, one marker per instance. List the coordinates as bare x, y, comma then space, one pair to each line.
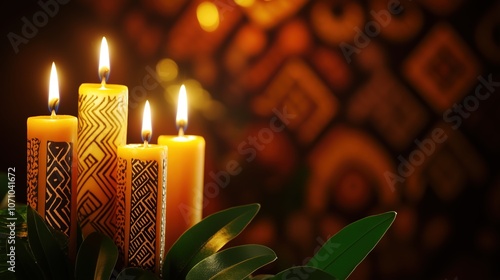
52, 118
99, 86
182, 138
141, 145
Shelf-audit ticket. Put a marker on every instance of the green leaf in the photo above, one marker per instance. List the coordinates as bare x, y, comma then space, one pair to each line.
96, 257
205, 238
233, 263
45, 248
261, 277
26, 265
6, 218
303, 272
22, 212
340, 255
136, 274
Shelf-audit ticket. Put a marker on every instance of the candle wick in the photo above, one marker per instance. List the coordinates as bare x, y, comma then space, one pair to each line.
181, 131
104, 74
145, 143
53, 114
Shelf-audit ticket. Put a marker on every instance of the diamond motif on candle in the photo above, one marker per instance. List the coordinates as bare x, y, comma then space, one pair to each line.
58, 185
33, 152
144, 190
100, 130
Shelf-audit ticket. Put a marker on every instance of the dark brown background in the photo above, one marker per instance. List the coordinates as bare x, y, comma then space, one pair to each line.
353, 121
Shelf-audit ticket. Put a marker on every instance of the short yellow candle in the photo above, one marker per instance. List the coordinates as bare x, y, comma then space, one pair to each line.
141, 202
52, 167
186, 160
102, 127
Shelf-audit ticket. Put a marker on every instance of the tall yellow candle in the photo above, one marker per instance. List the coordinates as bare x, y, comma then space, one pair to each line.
102, 127
186, 160
52, 166
141, 201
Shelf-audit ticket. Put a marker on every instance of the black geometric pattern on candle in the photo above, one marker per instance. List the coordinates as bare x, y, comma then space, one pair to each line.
33, 151
143, 221
102, 127
58, 185
120, 208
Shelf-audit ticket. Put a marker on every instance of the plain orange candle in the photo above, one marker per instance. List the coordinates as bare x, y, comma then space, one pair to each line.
186, 161
102, 127
141, 201
52, 166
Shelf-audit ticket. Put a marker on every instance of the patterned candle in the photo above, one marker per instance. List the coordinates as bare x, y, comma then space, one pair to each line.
140, 203
52, 166
102, 127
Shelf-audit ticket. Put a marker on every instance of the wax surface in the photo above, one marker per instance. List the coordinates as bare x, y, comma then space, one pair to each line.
102, 127
186, 161
141, 202
52, 172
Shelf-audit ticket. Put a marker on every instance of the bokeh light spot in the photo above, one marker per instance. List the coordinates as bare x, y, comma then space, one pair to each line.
208, 16
167, 69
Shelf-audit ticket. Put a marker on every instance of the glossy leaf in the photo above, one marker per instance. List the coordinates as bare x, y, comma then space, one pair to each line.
136, 274
340, 255
260, 277
45, 248
96, 257
206, 238
6, 242
26, 265
233, 263
303, 272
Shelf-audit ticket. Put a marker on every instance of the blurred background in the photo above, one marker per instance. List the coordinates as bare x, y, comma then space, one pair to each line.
333, 110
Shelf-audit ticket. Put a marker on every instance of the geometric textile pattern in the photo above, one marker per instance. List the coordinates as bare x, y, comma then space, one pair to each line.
487, 34
399, 26
442, 67
120, 206
58, 185
301, 95
341, 17
102, 127
268, 14
390, 108
144, 199
32, 178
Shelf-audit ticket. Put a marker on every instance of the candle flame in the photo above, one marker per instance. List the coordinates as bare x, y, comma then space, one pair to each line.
104, 67
53, 90
146, 124
182, 115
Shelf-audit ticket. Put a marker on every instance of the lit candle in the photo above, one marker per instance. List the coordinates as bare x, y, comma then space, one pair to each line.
52, 166
185, 175
102, 127
141, 201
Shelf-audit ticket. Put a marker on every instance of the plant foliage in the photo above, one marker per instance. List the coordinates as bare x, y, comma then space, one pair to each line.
40, 251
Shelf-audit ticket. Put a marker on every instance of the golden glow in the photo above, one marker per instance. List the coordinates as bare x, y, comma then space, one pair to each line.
244, 3
208, 16
104, 60
147, 129
167, 69
53, 89
182, 115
